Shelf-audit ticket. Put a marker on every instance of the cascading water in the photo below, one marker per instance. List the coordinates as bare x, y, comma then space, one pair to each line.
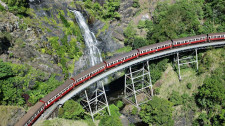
90, 40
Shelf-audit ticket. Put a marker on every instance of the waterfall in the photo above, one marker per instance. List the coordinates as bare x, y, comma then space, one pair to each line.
89, 38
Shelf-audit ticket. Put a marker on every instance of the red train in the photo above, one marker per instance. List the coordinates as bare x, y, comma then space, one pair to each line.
30, 117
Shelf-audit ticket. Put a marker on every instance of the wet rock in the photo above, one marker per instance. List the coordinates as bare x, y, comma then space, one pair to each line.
106, 42
118, 36
97, 26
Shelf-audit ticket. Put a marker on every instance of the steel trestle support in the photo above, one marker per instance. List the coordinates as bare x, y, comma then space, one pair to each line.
97, 103
184, 61
138, 86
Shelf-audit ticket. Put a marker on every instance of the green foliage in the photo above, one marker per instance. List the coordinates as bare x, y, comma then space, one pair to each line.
17, 80
130, 34
158, 111
1, 8
119, 104
214, 13
177, 20
157, 69
139, 42
136, 4
156, 91
175, 98
141, 24
124, 49
17, 6
134, 111
71, 110
189, 85
64, 21
112, 120
212, 91
105, 12
5, 70
43, 88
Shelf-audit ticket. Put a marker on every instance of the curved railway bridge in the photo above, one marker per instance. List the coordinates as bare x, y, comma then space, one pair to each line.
125, 65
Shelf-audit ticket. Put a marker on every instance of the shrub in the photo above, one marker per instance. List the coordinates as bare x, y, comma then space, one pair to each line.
71, 110
189, 85
119, 104
136, 4
134, 111
1, 8
141, 24
158, 111
64, 21
175, 98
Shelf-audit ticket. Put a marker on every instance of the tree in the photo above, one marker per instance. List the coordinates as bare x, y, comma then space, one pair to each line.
211, 92
71, 110
139, 42
158, 111
112, 120
5, 70
130, 34
177, 20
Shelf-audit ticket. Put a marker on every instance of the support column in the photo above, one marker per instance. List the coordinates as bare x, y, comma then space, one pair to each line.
196, 55
138, 84
178, 65
97, 104
132, 81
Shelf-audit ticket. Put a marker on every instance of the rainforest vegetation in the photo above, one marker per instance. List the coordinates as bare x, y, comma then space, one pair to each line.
23, 85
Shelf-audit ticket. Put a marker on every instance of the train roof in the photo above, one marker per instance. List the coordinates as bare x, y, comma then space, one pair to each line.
221, 33
192, 37
121, 56
57, 90
29, 114
91, 69
155, 45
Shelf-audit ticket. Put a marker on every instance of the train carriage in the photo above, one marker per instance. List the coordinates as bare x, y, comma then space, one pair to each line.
189, 40
87, 74
216, 36
31, 115
53, 96
121, 58
155, 47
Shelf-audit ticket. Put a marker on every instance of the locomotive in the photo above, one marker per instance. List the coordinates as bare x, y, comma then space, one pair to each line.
31, 116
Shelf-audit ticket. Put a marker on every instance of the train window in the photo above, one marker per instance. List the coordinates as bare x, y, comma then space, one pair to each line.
218, 36
197, 39
186, 41
222, 35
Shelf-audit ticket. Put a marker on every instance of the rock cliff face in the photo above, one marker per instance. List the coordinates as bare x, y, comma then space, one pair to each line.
10, 115
19, 45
